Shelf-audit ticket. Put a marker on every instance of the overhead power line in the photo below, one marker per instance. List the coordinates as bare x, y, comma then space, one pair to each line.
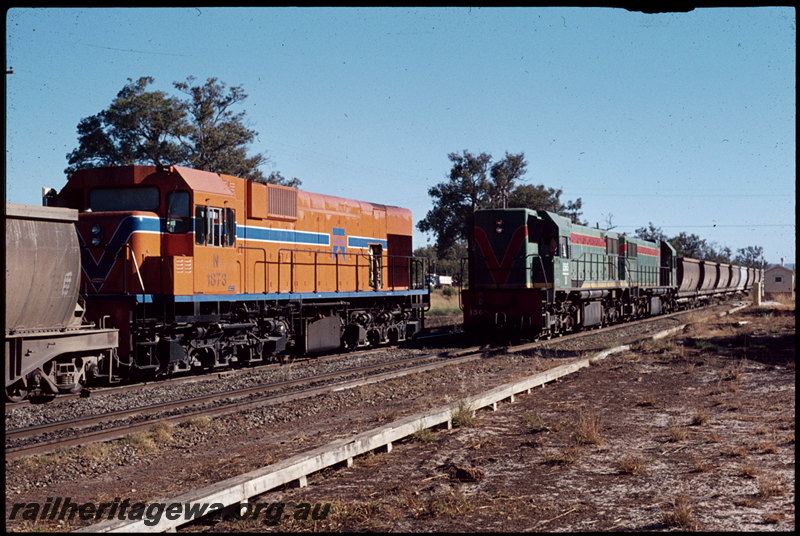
714, 225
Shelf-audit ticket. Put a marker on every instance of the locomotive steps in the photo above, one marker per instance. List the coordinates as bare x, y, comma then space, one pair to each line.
296, 468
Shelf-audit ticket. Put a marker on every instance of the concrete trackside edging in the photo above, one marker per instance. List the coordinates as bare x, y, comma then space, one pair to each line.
239, 489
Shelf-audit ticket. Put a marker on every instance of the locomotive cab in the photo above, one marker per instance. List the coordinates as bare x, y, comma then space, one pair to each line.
544, 234
139, 236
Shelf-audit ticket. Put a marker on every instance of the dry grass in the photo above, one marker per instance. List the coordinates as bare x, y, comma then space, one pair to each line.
679, 513
699, 417
389, 416
785, 299
462, 415
162, 432
149, 441
444, 305
424, 435
451, 504
773, 518
748, 471
534, 422
770, 486
589, 428
676, 434
738, 451
632, 465
699, 465
566, 456
734, 373
198, 423
768, 447
721, 388
140, 441
658, 346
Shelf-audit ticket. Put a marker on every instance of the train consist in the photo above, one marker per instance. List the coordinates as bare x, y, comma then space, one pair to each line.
183, 269
535, 273
154, 270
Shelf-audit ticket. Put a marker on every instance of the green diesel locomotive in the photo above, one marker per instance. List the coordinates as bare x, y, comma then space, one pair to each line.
534, 272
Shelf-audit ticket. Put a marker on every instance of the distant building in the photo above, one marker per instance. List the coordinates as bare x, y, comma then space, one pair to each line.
778, 279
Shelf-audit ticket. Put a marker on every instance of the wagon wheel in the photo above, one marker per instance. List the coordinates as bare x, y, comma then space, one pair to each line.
16, 392
76, 387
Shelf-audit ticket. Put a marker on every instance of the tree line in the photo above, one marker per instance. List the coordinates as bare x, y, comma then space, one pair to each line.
691, 245
200, 129
475, 182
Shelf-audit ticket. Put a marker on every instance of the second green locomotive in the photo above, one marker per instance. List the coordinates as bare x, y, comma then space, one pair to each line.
535, 272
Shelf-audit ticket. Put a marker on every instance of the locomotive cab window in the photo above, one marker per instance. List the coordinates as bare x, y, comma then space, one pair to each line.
550, 246
632, 250
178, 212
565, 247
144, 198
215, 226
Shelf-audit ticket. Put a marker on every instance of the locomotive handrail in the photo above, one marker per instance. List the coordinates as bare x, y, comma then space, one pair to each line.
541, 265
499, 268
136, 265
602, 262
264, 262
391, 267
640, 272
129, 249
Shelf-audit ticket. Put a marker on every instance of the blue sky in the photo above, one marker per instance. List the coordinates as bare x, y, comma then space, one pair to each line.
686, 120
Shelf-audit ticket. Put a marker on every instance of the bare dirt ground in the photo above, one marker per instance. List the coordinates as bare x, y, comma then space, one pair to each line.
692, 433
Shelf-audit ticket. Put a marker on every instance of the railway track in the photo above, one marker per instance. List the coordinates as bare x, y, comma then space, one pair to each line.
44, 438
84, 430
133, 385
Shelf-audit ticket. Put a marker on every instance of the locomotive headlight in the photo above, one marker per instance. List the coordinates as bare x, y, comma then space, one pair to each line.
97, 234
499, 228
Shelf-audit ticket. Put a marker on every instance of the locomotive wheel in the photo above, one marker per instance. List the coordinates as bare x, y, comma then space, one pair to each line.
16, 392
350, 337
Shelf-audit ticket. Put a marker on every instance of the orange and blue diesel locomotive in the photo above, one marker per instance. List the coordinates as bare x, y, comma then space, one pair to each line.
203, 270
537, 273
